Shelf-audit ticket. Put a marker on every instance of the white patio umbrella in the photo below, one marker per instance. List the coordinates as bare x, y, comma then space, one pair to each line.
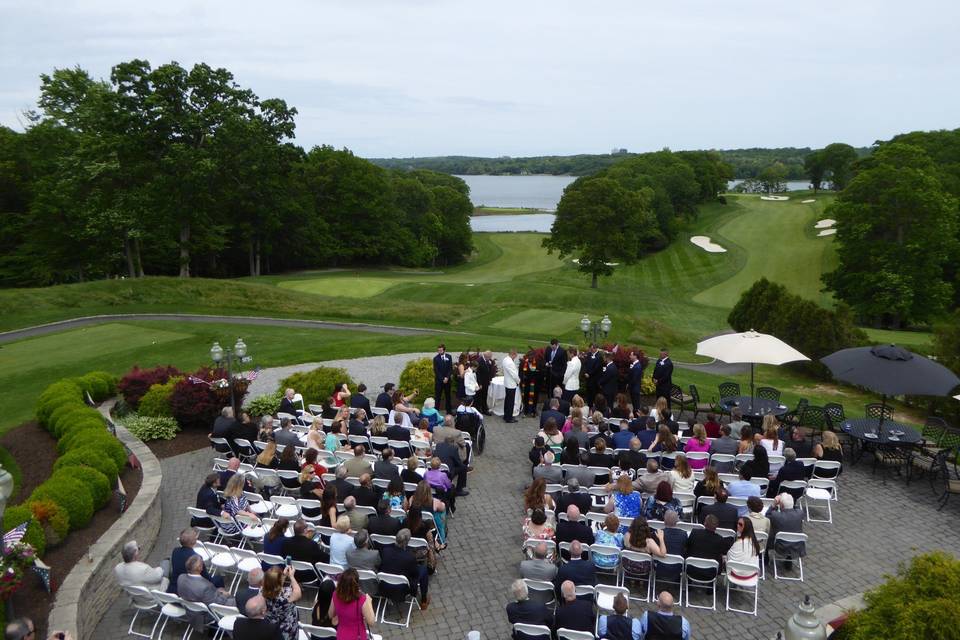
957, 397
749, 347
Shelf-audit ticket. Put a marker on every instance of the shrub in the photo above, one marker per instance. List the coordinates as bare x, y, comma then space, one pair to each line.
96, 482
15, 516
109, 383
138, 381
149, 428
156, 402
55, 397
265, 405
418, 374
95, 386
61, 411
53, 519
106, 444
66, 421
317, 386
196, 405
921, 601
88, 456
77, 432
72, 497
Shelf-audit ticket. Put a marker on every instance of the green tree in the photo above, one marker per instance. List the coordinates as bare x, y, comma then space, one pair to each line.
774, 178
815, 169
838, 161
896, 230
602, 223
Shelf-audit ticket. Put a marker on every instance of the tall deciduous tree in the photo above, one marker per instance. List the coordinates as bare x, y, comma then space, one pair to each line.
602, 223
896, 230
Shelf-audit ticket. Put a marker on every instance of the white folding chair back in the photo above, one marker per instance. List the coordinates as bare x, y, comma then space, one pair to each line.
826, 469
675, 562
541, 591
570, 634
787, 537
317, 633
744, 585
704, 564
630, 559
531, 631
142, 601
821, 499
395, 580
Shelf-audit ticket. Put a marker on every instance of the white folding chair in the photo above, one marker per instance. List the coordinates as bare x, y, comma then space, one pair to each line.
541, 591
523, 631
605, 554
394, 580
209, 618
252, 531
533, 543
698, 583
171, 608
257, 504
285, 507
676, 563
821, 499
211, 531
788, 537
318, 633
763, 483
226, 616
630, 559
245, 449
570, 634
826, 484
142, 602
743, 585
826, 469
329, 570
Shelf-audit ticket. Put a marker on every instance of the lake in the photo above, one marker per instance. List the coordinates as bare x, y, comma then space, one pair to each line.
539, 222
527, 192
792, 185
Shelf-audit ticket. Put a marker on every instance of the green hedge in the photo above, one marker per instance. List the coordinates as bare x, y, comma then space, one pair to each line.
74, 497
15, 516
96, 482
155, 403
418, 374
265, 405
89, 456
316, 386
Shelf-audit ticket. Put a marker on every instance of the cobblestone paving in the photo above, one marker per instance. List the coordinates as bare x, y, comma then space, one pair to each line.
875, 526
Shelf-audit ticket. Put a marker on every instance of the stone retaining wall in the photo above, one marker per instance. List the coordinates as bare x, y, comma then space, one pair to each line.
91, 581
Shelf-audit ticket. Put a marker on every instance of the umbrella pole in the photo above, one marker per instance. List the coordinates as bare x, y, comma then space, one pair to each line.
751, 385
883, 412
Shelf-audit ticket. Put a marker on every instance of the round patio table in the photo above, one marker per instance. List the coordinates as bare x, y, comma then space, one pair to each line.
754, 407
891, 432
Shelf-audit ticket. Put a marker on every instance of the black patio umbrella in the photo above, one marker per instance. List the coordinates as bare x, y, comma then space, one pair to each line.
891, 371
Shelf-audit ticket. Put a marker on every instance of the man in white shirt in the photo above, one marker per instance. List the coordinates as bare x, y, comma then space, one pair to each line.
511, 379
571, 375
134, 573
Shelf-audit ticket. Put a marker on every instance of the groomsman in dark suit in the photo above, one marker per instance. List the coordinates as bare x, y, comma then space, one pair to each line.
608, 381
635, 379
442, 376
592, 367
663, 375
485, 369
556, 364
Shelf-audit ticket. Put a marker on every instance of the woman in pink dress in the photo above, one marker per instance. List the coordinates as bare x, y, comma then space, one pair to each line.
698, 442
351, 610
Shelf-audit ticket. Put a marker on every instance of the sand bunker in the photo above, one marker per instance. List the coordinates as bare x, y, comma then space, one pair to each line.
826, 223
807, 201
705, 243
827, 232
775, 198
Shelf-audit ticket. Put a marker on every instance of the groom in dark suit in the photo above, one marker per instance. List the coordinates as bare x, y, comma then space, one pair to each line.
635, 379
556, 364
485, 371
663, 375
592, 367
442, 376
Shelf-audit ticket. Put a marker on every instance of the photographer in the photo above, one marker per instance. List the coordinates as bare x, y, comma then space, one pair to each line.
281, 592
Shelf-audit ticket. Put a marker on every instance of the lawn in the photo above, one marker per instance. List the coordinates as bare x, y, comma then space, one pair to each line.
351, 286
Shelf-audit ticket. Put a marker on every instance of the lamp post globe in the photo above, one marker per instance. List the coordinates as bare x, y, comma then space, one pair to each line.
605, 325
585, 325
216, 352
240, 348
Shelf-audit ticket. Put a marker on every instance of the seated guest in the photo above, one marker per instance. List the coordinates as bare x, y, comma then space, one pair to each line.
208, 500
598, 456
585, 475
657, 505
193, 587
828, 449
398, 559
570, 453
288, 460
576, 570
572, 529
760, 522
309, 467
727, 445
423, 433
361, 556
536, 527
252, 625
574, 496
621, 406
710, 483
440, 481
536, 497
538, 567
286, 403
619, 626
409, 473
573, 613
550, 432
624, 500
246, 429
737, 424
743, 488
726, 514
303, 548
792, 469
647, 433
525, 611
548, 471
640, 539
622, 438
609, 536
430, 413
367, 495
706, 543
274, 538
681, 476
358, 465
745, 549
675, 542
134, 572
396, 429
552, 412
665, 442
712, 426
383, 523
663, 623
632, 459
357, 519
563, 406
357, 426
384, 469
281, 591
224, 425
285, 436
697, 443
341, 542
252, 590
649, 481
179, 557
784, 517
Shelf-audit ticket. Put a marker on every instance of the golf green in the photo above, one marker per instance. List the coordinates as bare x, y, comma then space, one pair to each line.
540, 321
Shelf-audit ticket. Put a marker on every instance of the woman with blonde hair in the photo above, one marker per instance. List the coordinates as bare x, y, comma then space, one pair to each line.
268, 457
771, 441
828, 448
698, 443
315, 436
576, 402
378, 427
235, 504
576, 413
681, 476
659, 408
710, 483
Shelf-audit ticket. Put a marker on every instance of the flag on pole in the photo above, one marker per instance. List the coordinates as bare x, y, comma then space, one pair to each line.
252, 375
121, 494
196, 380
43, 571
14, 536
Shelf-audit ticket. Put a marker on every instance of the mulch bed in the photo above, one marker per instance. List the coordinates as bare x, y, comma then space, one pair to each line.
35, 451
185, 442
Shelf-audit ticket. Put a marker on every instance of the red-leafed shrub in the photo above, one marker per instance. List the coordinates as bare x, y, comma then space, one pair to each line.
197, 399
621, 357
135, 384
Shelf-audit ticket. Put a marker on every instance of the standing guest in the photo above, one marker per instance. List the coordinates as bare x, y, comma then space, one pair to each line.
193, 587
442, 374
525, 611
179, 557
619, 626
663, 623
385, 397
573, 613
635, 379
359, 400
254, 625
281, 591
608, 383
470, 384
449, 454
663, 375
592, 367
340, 395
134, 572
725, 445
460, 373
449, 430
698, 443
486, 369
351, 610
556, 359
286, 403
511, 378
571, 375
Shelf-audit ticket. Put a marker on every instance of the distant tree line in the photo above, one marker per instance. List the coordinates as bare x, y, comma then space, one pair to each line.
182, 171
633, 207
898, 230
746, 163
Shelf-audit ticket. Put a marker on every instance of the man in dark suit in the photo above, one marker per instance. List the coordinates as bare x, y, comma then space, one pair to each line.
556, 357
725, 513
356, 426
254, 626
385, 398
442, 376
383, 523
225, 426
553, 412
592, 367
572, 529
302, 547
792, 469
179, 557
384, 468
366, 494
706, 543
633, 457
397, 431
344, 488
574, 496
286, 403
577, 571
563, 405
252, 590
573, 613
635, 379
485, 370
397, 559
608, 382
449, 454
663, 375
524, 610
359, 400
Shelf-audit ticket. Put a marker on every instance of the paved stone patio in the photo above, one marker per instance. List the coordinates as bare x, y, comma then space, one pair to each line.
875, 526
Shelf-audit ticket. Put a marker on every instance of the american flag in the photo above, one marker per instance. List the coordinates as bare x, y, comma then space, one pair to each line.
14, 536
44, 572
196, 380
251, 375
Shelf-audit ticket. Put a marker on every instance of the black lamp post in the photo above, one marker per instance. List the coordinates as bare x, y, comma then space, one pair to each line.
592, 330
237, 354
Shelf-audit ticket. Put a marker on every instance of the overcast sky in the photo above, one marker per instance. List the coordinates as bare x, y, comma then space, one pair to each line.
421, 77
